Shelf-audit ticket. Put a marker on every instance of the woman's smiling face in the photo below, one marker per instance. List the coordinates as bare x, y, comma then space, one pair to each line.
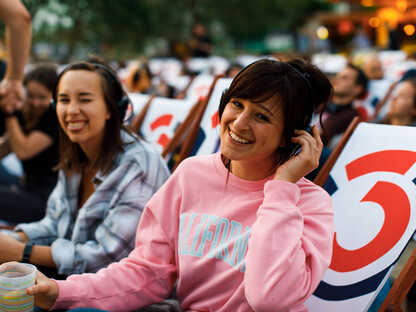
81, 108
252, 132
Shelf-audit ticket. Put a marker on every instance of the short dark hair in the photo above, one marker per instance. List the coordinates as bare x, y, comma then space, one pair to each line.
299, 86
72, 158
361, 79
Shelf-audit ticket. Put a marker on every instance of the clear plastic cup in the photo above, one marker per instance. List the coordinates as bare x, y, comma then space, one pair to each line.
15, 277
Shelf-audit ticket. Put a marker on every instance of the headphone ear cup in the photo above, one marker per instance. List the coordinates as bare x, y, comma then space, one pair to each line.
222, 100
122, 107
52, 105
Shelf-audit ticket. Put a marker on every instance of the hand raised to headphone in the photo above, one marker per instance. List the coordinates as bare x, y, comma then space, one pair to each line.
304, 162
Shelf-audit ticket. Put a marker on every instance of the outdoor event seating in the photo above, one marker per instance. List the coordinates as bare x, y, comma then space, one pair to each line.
203, 135
371, 178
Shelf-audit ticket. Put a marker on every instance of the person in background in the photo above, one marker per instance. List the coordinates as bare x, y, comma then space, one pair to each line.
32, 135
233, 70
361, 40
139, 78
239, 230
200, 44
372, 66
349, 84
18, 40
402, 110
106, 176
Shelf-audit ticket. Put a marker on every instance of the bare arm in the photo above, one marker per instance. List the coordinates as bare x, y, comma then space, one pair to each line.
12, 250
26, 146
18, 40
4, 146
42, 256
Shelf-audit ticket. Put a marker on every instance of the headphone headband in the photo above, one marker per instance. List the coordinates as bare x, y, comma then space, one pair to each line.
305, 76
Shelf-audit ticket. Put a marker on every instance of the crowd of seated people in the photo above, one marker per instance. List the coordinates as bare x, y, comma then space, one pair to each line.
106, 174
72, 225
31, 133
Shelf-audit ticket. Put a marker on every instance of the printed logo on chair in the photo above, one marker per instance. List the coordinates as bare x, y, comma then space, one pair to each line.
162, 118
372, 185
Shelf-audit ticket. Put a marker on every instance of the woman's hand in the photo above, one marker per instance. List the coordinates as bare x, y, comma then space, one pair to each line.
306, 161
10, 249
45, 291
11, 95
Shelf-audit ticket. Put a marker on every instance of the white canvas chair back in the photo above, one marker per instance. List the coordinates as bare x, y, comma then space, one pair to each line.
373, 187
199, 87
329, 63
392, 62
165, 67
377, 90
208, 140
162, 118
138, 101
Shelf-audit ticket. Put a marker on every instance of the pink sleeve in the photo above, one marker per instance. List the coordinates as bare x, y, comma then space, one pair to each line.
290, 246
144, 277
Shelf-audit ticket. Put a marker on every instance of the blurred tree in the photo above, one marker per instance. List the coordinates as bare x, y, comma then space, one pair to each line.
120, 29
93, 25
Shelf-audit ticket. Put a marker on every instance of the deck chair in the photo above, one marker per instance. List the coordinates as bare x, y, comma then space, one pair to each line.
381, 104
182, 93
203, 136
159, 119
199, 87
370, 176
139, 105
376, 91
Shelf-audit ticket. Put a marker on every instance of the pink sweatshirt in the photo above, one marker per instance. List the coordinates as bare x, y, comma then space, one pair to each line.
234, 245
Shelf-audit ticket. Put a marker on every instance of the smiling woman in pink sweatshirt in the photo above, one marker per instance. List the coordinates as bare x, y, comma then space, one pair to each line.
239, 230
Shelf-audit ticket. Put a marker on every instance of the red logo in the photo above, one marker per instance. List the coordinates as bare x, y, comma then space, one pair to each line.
390, 197
163, 120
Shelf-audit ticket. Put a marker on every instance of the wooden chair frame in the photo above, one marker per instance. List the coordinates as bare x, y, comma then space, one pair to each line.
193, 130
181, 130
136, 123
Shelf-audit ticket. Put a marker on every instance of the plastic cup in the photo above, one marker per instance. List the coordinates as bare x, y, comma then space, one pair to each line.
14, 279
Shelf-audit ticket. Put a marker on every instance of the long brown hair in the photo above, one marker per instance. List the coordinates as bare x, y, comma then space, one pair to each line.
72, 158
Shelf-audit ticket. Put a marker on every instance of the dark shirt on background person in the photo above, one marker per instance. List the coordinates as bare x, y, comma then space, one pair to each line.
339, 120
26, 201
200, 44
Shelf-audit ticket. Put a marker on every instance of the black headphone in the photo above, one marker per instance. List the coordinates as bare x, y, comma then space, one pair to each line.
121, 98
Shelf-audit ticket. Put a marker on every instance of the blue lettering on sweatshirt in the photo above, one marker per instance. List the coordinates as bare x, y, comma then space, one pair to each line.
203, 235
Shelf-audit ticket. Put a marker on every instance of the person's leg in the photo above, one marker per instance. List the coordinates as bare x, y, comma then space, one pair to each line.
51, 272
6, 178
17, 206
86, 310
37, 309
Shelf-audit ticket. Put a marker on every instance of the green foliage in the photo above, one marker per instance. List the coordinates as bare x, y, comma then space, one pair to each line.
122, 28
